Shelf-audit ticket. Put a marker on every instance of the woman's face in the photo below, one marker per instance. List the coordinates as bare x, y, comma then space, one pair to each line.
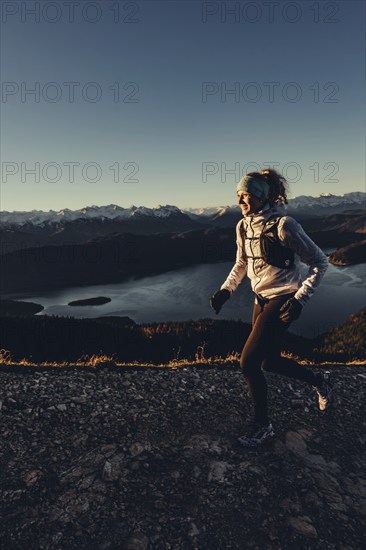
248, 203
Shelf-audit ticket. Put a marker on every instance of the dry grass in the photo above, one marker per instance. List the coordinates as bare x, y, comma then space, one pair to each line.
97, 361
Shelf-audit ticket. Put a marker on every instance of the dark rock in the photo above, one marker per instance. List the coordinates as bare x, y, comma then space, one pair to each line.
105, 458
137, 541
303, 526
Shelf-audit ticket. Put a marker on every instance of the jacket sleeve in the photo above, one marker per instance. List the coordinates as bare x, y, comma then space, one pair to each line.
239, 269
294, 237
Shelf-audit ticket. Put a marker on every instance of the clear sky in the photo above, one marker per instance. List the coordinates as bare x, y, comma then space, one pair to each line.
131, 101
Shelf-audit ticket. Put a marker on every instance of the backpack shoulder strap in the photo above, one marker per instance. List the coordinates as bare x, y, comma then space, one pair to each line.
242, 229
271, 224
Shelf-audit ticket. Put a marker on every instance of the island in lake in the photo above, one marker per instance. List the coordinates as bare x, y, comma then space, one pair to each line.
97, 301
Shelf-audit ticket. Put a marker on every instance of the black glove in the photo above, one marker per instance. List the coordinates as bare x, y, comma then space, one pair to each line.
290, 310
218, 299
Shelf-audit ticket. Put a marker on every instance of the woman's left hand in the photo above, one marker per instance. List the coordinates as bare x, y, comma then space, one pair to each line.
290, 310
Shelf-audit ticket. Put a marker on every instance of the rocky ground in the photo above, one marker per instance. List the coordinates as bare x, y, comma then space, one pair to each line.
147, 458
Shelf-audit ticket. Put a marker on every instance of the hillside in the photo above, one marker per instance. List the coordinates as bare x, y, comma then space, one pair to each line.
14, 307
115, 258
351, 254
33, 230
53, 338
147, 458
346, 341
339, 216
112, 259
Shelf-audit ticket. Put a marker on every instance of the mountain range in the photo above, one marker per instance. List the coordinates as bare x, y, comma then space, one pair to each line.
21, 229
96, 245
303, 206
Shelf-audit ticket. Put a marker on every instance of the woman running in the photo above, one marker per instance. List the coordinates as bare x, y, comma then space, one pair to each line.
267, 241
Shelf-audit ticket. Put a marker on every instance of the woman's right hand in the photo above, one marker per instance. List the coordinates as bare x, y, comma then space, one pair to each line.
290, 310
218, 299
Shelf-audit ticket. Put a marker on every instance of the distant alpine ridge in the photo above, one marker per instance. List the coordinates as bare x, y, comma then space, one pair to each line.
302, 207
109, 244
110, 212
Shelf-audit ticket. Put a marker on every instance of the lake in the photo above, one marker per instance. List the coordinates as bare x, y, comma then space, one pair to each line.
184, 294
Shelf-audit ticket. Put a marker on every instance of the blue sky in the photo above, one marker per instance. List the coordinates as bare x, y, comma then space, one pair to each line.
175, 132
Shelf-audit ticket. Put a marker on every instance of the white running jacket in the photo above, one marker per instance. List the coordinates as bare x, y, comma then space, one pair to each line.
270, 281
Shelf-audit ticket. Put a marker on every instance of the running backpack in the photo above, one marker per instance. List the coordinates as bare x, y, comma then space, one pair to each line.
272, 251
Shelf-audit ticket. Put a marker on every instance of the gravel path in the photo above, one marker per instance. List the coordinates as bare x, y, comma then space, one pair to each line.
147, 458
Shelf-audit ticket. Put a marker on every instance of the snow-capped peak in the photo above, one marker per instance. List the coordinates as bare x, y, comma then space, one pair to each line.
41, 218
109, 212
328, 200
166, 211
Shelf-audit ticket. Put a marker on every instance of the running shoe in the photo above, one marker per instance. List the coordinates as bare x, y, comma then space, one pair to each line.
324, 391
256, 434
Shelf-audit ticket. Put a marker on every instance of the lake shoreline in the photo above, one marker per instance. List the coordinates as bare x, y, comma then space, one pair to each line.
184, 294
